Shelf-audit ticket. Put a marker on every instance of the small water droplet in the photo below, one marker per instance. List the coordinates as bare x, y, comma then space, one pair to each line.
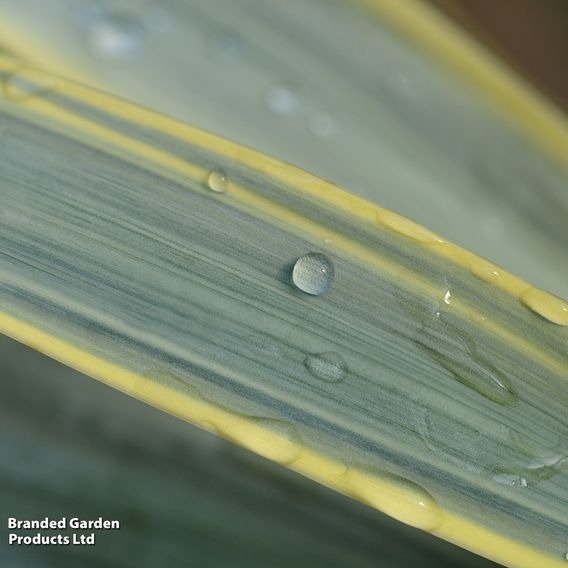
330, 367
217, 181
408, 228
282, 100
116, 36
327, 241
548, 306
322, 125
448, 297
24, 84
395, 496
485, 271
313, 273
511, 479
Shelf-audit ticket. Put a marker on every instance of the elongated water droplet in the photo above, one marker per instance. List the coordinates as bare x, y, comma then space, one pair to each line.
548, 306
282, 100
482, 377
395, 496
273, 439
485, 271
330, 367
511, 479
217, 181
458, 354
408, 228
27, 83
448, 438
116, 36
313, 273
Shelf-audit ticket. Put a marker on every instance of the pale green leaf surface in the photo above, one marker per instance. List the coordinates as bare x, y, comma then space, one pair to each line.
333, 87
71, 446
454, 392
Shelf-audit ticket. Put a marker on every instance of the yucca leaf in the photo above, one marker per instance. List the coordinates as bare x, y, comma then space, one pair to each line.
380, 96
72, 446
162, 260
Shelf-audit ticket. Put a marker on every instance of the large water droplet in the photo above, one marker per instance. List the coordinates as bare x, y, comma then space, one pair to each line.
217, 181
395, 496
282, 100
330, 367
27, 83
546, 305
408, 228
313, 273
116, 36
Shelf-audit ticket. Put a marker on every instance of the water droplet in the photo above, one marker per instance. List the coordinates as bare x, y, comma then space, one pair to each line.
313, 273
566, 556
479, 375
408, 228
511, 479
27, 83
257, 435
217, 181
396, 496
448, 297
546, 462
330, 367
485, 271
457, 353
116, 36
282, 100
327, 241
322, 124
542, 463
546, 305
452, 440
